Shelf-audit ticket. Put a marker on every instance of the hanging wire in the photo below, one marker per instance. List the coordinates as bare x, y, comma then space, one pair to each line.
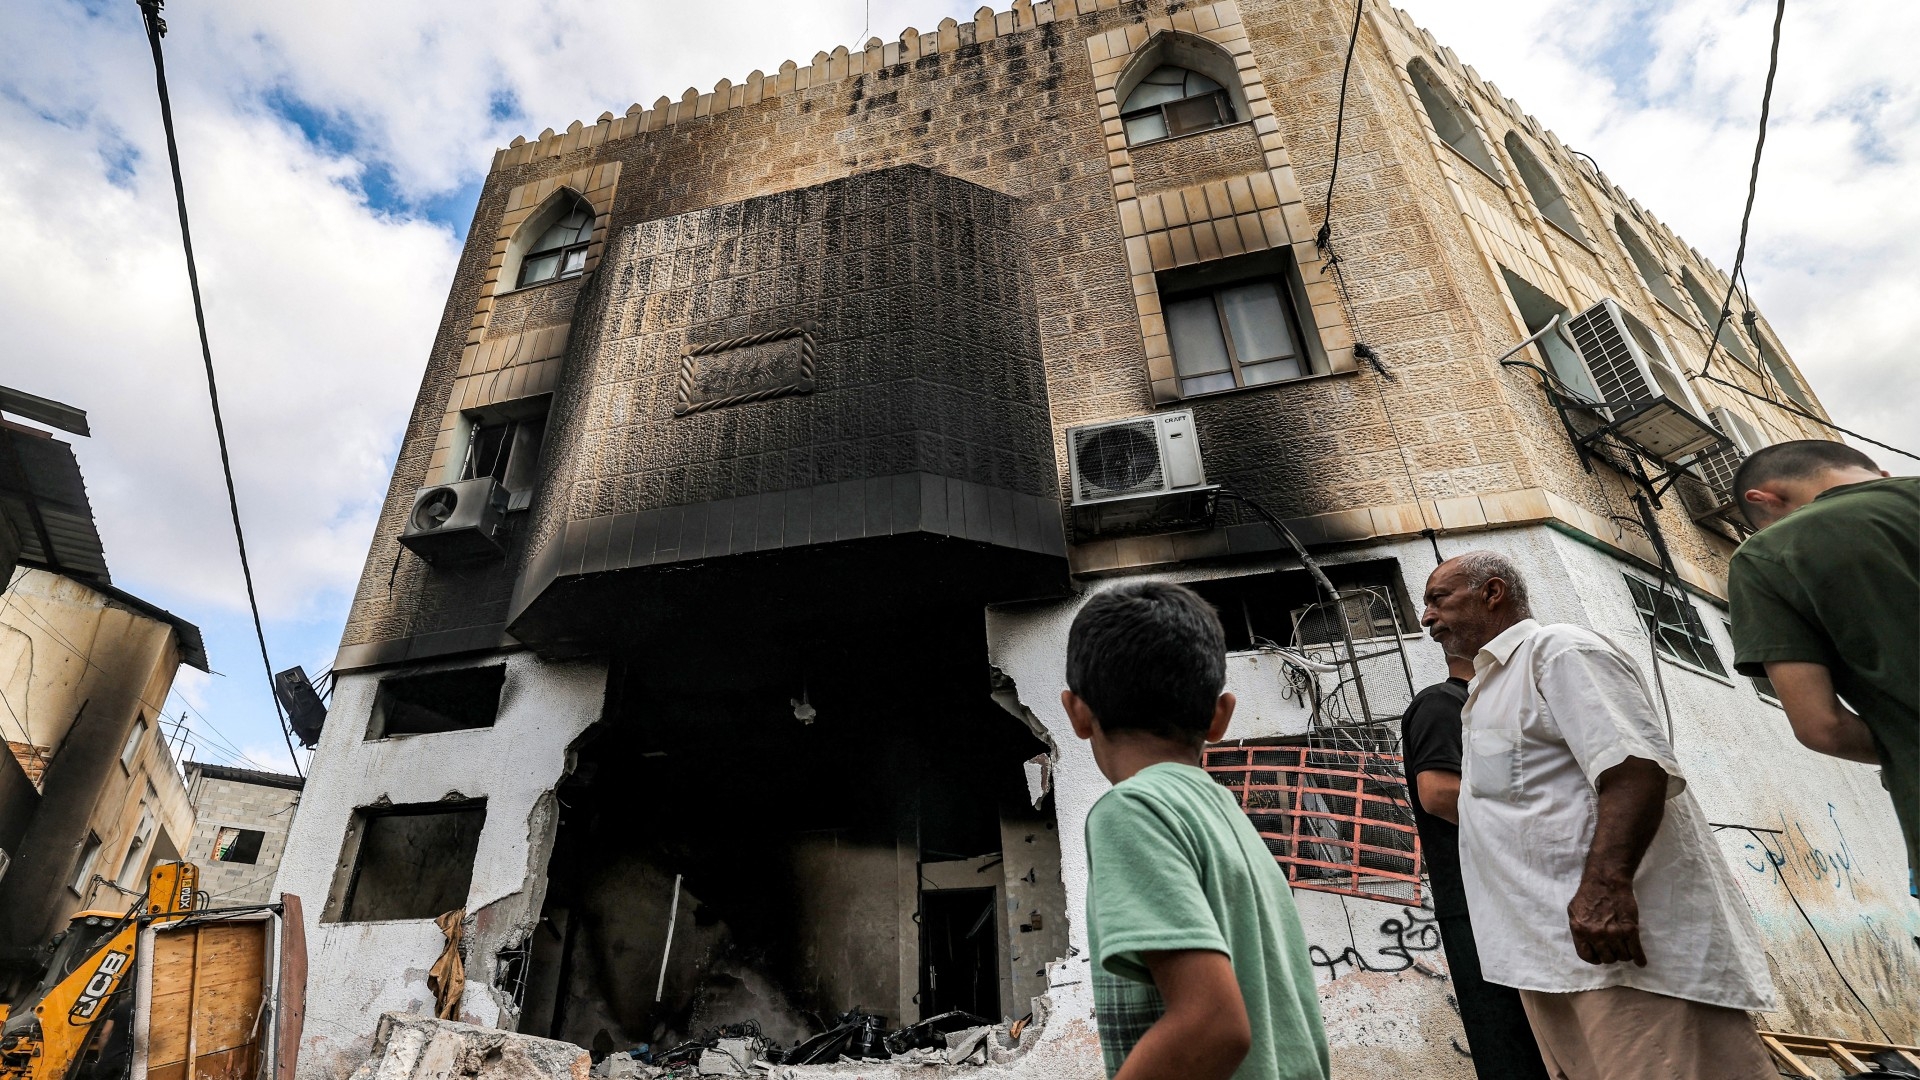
1325, 236
156, 29
1753, 185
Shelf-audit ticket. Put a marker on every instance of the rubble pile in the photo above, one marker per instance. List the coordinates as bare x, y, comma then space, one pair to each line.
739, 1050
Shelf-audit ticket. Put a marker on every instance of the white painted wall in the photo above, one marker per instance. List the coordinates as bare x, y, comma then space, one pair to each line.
360, 970
1384, 988
1386, 1000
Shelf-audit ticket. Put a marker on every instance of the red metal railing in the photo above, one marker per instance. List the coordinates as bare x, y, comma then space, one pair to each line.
1335, 820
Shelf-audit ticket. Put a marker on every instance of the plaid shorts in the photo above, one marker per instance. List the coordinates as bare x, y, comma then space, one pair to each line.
1123, 1010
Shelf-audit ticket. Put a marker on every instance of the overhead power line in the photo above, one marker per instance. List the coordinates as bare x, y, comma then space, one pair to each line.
156, 29
1753, 184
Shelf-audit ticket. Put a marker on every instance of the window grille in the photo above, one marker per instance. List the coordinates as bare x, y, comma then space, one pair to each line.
1336, 821
1675, 626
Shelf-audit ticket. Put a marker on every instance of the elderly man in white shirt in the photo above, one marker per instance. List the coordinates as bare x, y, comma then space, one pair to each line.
1596, 887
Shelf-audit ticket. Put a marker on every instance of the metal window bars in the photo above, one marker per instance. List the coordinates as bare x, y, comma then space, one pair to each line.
1335, 820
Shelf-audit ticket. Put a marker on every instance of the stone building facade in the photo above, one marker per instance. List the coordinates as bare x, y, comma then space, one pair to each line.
90, 794
241, 818
738, 701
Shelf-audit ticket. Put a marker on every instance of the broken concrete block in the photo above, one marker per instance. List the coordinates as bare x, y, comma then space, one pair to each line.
407, 1047
729, 1057
964, 1046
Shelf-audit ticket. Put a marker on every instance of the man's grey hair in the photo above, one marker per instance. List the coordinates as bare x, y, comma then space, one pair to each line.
1481, 567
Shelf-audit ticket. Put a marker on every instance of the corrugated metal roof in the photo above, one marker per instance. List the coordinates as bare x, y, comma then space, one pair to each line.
248, 776
44, 497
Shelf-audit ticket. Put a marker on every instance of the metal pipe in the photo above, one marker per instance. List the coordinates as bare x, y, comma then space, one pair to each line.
666, 951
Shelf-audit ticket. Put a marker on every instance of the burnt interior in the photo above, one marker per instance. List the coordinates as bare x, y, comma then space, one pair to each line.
884, 857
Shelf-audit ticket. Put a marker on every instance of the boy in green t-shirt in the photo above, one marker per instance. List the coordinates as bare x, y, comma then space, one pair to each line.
1200, 970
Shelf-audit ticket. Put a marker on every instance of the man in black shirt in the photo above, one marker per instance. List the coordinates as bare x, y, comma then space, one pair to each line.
1497, 1030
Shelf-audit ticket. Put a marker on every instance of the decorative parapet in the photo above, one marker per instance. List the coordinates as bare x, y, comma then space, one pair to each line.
1444, 59
791, 78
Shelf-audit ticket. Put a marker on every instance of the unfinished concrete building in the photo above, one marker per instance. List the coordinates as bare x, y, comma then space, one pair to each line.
707, 653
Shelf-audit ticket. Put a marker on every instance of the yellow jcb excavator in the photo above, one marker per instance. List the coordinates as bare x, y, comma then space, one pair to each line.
76, 1024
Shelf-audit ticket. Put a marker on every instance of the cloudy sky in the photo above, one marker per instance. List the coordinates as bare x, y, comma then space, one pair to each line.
333, 153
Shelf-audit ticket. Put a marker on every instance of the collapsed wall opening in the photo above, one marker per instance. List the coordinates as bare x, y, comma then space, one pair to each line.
783, 827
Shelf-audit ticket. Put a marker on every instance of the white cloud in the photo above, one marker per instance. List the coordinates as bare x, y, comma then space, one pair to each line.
322, 304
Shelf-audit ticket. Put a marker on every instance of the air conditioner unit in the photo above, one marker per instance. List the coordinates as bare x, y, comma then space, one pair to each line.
1715, 469
462, 520
1138, 475
1643, 393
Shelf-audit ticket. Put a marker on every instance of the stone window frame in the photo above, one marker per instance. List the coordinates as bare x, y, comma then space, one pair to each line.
1256, 212
1418, 72
1188, 52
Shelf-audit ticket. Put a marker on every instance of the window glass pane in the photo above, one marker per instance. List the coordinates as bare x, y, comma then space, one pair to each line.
539, 269
576, 261
1207, 384
1146, 127
1195, 114
1257, 323
1167, 74
1198, 84
1152, 93
560, 235
487, 451
1273, 371
1194, 331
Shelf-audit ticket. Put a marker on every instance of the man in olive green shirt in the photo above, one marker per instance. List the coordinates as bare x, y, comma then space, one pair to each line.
1826, 604
1200, 968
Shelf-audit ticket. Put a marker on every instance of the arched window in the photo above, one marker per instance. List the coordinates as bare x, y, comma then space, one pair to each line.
1709, 307
1648, 264
559, 250
1173, 101
1547, 195
1450, 119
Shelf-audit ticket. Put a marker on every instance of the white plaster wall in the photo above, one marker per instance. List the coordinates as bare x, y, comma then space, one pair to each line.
1384, 1016
1384, 990
360, 970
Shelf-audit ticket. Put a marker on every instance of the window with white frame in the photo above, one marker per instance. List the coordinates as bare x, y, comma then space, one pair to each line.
132, 747
1450, 119
1648, 264
1172, 101
1237, 324
1674, 625
1709, 307
83, 870
1547, 193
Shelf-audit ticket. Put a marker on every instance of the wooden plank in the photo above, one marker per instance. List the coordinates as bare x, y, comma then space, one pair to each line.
1775, 1044
292, 1015
230, 980
193, 1008
167, 1016
1839, 1053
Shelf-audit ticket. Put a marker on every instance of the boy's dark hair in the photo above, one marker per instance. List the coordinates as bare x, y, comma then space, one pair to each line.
1149, 656
1791, 461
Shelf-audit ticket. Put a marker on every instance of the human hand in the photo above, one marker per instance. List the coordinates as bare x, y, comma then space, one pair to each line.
1605, 920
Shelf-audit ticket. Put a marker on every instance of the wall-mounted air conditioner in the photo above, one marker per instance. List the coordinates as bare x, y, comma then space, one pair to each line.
1715, 468
462, 520
1142, 474
1645, 396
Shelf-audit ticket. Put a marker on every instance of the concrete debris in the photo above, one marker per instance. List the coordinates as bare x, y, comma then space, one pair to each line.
407, 1047
963, 1047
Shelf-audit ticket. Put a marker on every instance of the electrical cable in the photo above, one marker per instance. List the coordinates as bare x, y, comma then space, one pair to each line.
156, 29
1753, 185
1325, 236
1805, 415
1837, 970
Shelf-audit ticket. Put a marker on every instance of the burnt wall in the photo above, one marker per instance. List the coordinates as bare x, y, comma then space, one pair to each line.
924, 349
